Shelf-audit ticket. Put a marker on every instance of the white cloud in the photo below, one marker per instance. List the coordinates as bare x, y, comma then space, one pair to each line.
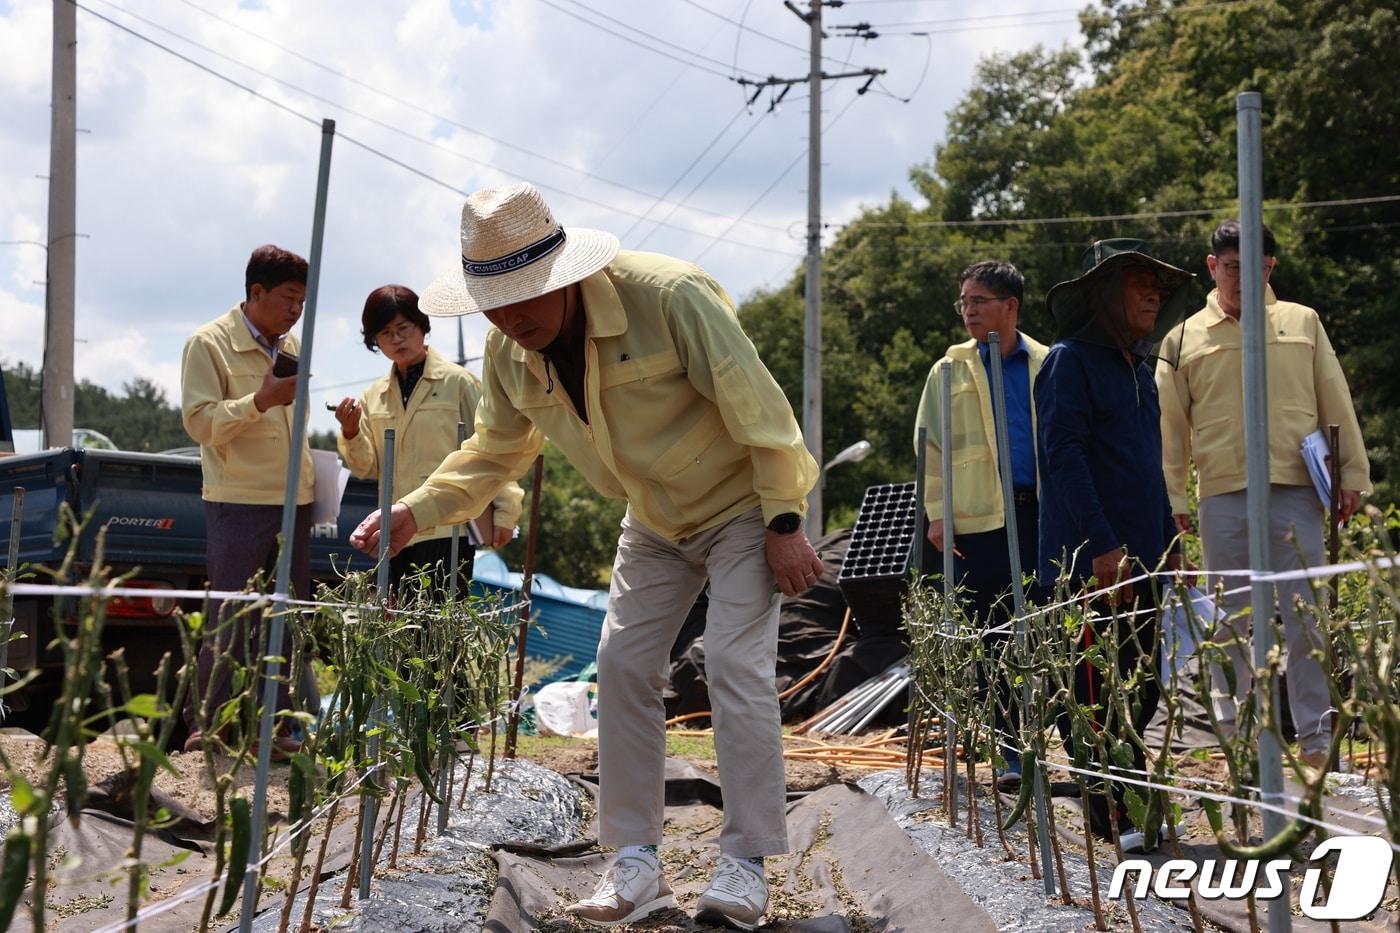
182, 174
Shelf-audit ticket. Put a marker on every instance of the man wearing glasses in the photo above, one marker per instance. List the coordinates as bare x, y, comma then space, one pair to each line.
989, 299
1202, 411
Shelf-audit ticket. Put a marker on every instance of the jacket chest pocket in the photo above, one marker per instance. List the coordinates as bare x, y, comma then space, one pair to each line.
245, 377
437, 410
634, 369
968, 428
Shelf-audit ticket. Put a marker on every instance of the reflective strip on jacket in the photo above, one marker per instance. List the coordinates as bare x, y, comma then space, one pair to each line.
977, 494
243, 451
684, 420
424, 433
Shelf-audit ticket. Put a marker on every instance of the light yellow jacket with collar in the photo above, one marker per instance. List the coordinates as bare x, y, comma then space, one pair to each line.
1203, 400
424, 433
243, 451
977, 494
684, 420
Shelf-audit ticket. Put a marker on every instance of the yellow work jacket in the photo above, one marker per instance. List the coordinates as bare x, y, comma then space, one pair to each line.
1203, 400
243, 451
977, 494
684, 420
424, 433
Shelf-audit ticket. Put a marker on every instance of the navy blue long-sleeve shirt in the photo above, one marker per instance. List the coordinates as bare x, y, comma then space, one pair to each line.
1099, 440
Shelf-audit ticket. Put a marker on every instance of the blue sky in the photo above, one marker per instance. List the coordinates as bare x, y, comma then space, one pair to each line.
181, 175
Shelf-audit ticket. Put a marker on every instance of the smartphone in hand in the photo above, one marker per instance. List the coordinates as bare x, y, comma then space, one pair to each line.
284, 365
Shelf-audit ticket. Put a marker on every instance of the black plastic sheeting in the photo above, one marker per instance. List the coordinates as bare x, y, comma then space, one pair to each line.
807, 628
851, 870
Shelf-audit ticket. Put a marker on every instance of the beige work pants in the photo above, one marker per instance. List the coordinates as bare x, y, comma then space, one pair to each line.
1295, 534
654, 584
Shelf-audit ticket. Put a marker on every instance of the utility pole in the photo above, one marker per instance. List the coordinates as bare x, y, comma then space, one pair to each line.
57, 397
812, 325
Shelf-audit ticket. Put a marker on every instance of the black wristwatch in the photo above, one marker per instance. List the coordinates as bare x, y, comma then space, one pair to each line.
785, 524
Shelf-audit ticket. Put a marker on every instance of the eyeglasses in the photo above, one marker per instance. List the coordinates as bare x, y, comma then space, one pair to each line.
1233, 268
975, 303
392, 334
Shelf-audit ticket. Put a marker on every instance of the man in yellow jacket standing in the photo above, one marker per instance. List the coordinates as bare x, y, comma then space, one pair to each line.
989, 299
635, 366
1202, 413
239, 412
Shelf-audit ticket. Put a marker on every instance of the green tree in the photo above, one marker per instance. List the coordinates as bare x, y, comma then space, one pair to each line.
578, 527
1144, 123
140, 419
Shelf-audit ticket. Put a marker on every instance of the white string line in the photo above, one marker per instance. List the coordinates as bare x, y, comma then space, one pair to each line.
1273, 576
1360, 817
1004, 736
188, 895
1221, 798
106, 592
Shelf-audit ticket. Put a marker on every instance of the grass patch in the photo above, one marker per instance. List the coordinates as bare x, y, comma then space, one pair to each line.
677, 746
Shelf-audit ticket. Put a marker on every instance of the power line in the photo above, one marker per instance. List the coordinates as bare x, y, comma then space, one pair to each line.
1015, 246
957, 20
715, 240
686, 171
656, 101
637, 42
1105, 218
373, 120
412, 169
197, 64
708, 175
384, 94
757, 32
1034, 18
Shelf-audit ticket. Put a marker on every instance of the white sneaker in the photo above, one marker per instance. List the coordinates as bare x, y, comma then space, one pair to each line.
1135, 839
631, 889
737, 896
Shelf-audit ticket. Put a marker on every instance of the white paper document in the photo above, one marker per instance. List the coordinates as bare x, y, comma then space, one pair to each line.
331, 478
1179, 633
1315, 454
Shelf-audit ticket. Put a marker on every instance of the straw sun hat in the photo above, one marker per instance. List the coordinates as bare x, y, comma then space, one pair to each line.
513, 250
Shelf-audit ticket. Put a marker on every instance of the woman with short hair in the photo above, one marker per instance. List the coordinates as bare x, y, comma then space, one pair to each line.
422, 398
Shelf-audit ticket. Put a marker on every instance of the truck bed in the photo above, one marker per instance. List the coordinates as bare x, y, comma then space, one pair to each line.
151, 507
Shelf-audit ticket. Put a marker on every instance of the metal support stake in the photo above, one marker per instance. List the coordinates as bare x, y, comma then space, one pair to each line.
1334, 512
526, 583
812, 321
444, 757
916, 561
272, 664
7, 603
950, 742
456, 552
1256, 439
1018, 590
369, 813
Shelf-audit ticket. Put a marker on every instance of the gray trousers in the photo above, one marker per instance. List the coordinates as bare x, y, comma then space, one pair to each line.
1295, 541
654, 583
242, 540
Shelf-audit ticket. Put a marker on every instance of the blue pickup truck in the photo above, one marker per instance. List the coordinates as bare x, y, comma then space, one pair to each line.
151, 509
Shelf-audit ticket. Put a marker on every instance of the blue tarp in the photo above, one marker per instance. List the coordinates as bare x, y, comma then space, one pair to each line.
570, 619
